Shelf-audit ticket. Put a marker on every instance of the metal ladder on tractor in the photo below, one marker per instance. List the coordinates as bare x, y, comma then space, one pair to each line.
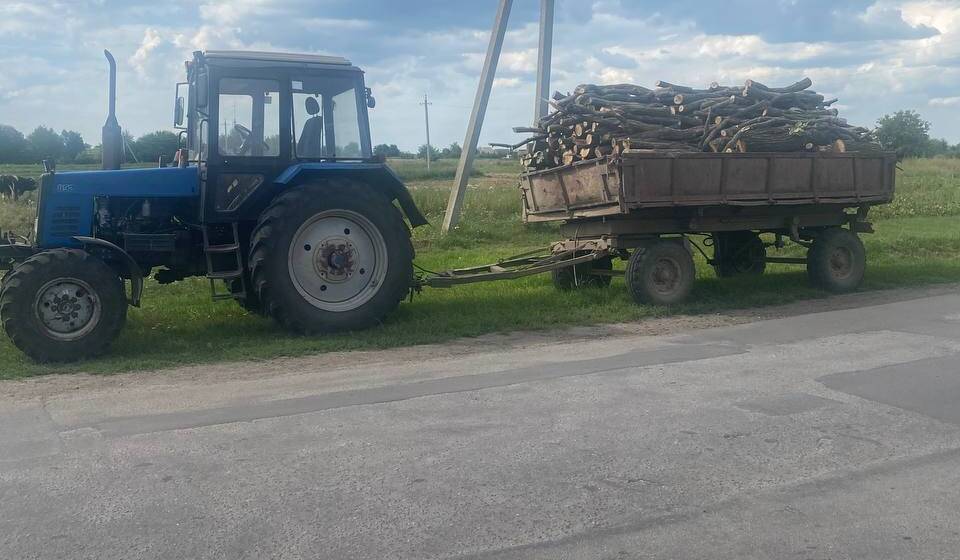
230, 269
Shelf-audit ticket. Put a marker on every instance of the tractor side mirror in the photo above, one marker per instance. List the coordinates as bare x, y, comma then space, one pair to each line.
178, 113
371, 101
178, 107
203, 90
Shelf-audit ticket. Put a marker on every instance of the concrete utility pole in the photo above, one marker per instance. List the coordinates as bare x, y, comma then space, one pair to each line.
455, 202
542, 106
426, 117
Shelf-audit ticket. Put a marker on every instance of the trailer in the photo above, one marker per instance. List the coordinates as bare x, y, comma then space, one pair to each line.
654, 209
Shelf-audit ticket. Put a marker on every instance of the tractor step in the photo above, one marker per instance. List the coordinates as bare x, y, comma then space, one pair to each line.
225, 262
220, 249
225, 275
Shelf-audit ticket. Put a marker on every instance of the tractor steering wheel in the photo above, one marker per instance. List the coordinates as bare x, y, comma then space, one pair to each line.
245, 134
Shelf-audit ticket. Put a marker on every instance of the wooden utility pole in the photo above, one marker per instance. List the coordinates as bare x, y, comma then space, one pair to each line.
455, 202
542, 105
426, 117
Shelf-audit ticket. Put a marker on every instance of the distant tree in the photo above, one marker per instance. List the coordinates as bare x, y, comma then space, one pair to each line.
13, 146
73, 145
422, 152
385, 150
905, 132
453, 151
45, 144
150, 147
939, 147
129, 154
350, 150
90, 155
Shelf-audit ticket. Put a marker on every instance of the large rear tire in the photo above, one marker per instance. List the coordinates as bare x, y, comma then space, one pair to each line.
63, 305
330, 257
837, 260
661, 274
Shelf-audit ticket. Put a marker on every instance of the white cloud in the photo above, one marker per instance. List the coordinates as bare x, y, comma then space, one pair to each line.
945, 101
594, 42
507, 82
151, 40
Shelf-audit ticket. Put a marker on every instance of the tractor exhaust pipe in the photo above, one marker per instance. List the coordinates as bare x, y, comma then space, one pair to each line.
111, 137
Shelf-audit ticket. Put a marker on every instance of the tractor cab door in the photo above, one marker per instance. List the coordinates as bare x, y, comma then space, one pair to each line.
248, 144
329, 116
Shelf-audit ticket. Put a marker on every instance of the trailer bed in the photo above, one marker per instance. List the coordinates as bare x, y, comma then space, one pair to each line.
638, 180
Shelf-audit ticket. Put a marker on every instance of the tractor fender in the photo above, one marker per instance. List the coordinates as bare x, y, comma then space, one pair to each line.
378, 175
133, 269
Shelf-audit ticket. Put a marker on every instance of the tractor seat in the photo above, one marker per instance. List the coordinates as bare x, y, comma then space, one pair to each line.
311, 139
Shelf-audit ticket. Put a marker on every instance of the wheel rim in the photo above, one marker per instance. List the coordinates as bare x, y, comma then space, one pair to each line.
841, 263
665, 276
67, 308
338, 260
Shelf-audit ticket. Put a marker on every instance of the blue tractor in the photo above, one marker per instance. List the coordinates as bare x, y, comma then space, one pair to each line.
277, 198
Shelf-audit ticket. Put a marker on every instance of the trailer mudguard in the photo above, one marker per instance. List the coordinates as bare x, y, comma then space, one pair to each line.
377, 175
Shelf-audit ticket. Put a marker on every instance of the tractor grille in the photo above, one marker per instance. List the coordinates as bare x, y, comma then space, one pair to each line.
65, 221
149, 242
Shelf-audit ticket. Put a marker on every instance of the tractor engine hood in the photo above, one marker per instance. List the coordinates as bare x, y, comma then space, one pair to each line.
66, 205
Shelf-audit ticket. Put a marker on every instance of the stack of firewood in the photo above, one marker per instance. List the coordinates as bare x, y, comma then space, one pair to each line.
599, 121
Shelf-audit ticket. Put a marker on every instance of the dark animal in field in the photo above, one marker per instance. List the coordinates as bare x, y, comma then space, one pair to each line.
14, 186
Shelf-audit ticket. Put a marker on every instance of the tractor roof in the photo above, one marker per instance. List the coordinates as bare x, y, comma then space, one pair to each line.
259, 58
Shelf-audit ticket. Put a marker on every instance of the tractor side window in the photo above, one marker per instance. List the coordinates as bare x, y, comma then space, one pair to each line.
326, 118
308, 122
249, 118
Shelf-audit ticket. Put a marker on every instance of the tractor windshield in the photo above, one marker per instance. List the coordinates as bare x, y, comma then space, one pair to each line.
326, 117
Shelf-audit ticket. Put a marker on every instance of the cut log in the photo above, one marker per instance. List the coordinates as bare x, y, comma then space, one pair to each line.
597, 121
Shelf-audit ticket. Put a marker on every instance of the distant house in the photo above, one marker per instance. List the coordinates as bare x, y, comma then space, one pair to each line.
491, 152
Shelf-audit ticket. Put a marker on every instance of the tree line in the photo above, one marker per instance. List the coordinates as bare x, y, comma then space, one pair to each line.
908, 134
68, 146
905, 132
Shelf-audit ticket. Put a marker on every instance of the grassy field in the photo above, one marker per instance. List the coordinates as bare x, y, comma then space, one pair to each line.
917, 242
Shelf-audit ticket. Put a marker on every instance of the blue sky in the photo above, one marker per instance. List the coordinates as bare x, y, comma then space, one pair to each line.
877, 56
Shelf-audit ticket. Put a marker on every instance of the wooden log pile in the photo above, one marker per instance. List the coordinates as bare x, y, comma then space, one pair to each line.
599, 121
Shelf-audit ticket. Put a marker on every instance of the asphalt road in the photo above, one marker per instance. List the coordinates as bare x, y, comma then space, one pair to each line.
830, 435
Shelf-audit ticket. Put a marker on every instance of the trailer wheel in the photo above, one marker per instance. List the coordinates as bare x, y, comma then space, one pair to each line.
330, 257
661, 274
63, 305
837, 260
738, 253
581, 275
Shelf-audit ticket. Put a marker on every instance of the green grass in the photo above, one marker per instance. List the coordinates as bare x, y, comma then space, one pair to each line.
178, 324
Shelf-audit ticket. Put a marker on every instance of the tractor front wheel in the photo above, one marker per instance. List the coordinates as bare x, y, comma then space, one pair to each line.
63, 305
331, 257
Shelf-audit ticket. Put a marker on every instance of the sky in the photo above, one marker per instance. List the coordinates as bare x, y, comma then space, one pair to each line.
877, 56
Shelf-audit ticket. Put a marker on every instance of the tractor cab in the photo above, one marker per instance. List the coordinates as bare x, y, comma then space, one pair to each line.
247, 117
275, 197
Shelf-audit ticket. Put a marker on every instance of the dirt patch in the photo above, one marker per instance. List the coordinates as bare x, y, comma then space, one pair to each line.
209, 374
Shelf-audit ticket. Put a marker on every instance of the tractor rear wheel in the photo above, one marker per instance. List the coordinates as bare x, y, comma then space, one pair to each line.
331, 257
63, 305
